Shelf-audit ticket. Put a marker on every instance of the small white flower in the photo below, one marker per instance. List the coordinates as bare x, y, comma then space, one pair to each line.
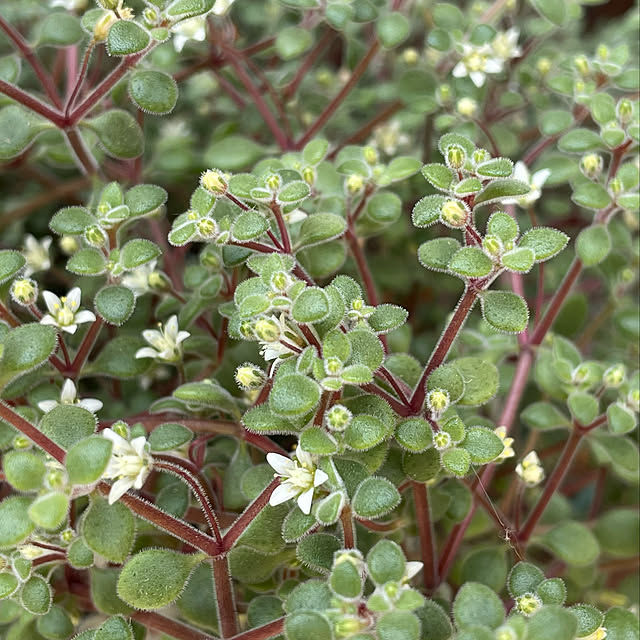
69, 5
530, 470
68, 395
299, 479
388, 137
129, 465
64, 312
476, 62
507, 451
505, 44
138, 279
191, 29
535, 182
36, 254
165, 344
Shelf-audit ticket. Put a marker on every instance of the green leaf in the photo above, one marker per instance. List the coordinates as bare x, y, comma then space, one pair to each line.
115, 304
387, 317
374, 498
87, 262
328, 510
503, 226
554, 121
8, 584
261, 419
501, 189
364, 432
620, 418
144, 198
19, 129
15, 524
293, 192
544, 416
477, 604
118, 358
573, 543
482, 444
580, 141
583, 406
480, 380
427, 210
552, 591
520, 259
71, 221
312, 595
447, 377
168, 436
436, 254
49, 511
36, 596
79, 554
400, 168
621, 624
319, 228
297, 525
103, 592
589, 618
303, 625
154, 578
10, 264
153, 92
312, 305
66, 424
524, 578
317, 441
436, 624
486, 566
60, 29
206, 394
398, 625
23, 470
26, 348
249, 225
593, 244
591, 195
366, 348
86, 460
233, 153
392, 29
456, 461
617, 532
552, 622
505, 311
118, 132
293, 395
603, 108
138, 252
495, 168
315, 151
109, 530
438, 175
292, 42
345, 579
386, 562
127, 37
317, 550
195, 602
470, 262
414, 434
115, 628
544, 241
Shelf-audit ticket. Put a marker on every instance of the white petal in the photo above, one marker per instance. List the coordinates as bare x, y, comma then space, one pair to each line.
493, 65
119, 488
47, 405
91, 404
141, 478
304, 458
460, 70
171, 328
47, 319
520, 172
151, 335
138, 445
69, 328
73, 298
282, 493
146, 352
477, 77
52, 301
85, 316
68, 393
305, 501
319, 477
413, 568
182, 336
280, 464
540, 177
118, 441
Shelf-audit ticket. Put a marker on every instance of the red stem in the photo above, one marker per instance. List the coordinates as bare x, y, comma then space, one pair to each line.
427, 538
269, 630
348, 533
80, 79
225, 600
85, 346
282, 227
173, 628
27, 100
363, 267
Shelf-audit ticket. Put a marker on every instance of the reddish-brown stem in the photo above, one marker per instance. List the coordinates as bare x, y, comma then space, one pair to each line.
49, 557
391, 379
427, 538
85, 347
396, 405
330, 109
80, 79
312, 57
238, 527
282, 227
487, 132
447, 339
82, 153
348, 533
26, 51
170, 627
27, 100
266, 631
225, 600
233, 93
363, 267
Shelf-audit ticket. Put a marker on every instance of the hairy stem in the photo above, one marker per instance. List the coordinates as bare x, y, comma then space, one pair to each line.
427, 538
225, 600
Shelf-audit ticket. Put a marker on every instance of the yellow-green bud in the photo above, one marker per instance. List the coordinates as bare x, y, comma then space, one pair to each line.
280, 281
273, 181
21, 442
591, 165
157, 280
207, 227
456, 156
95, 236
602, 52
614, 376
346, 627
309, 175
248, 376
454, 214
444, 93
24, 291
267, 330
467, 107
102, 26
55, 479
213, 181
624, 110
627, 275
506, 633
192, 215
370, 155
121, 428
492, 245
324, 77
582, 65
528, 603
357, 304
480, 155
616, 186
438, 400
633, 399
410, 56
338, 417
543, 66
68, 244
391, 589
441, 440
109, 5
210, 259
67, 535
150, 16
332, 366
355, 183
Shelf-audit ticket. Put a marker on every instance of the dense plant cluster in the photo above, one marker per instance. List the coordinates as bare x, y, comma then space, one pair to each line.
238, 398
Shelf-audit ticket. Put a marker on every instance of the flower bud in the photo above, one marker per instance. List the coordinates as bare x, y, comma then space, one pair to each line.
467, 107
370, 155
530, 470
102, 26
267, 330
591, 165
602, 52
338, 417
332, 366
68, 244
506, 633
443, 93
492, 246
121, 428
624, 110
309, 175
454, 214
410, 56
150, 16
633, 399
95, 236
543, 66
615, 186
280, 281
207, 227
212, 181
55, 479
456, 157
614, 376
582, 65
348, 626
441, 440
273, 181
67, 535
248, 376
246, 329
223, 237
438, 400
21, 442
354, 184
24, 292
391, 589
528, 603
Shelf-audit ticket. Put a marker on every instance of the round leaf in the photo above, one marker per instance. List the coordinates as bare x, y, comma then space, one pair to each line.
115, 304
153, 92
505, 311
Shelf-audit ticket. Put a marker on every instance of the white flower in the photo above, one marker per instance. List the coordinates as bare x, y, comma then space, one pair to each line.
505, 44
275, 350
68, 395
507, 451
221, 7
530, 470
476, 62
69, 5
138, 279
299, 479
191, 29
64, 312
535, 182
165, 343
388, 137
129, 465
36, 254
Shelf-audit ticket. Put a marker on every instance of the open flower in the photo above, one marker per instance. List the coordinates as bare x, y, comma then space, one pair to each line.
165, 344
138, 279
191, 29
476, 62
299, 479
530, 470
505, 44
129, 465
68, 395
64, 312
535, 182
36, 253
507, 451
